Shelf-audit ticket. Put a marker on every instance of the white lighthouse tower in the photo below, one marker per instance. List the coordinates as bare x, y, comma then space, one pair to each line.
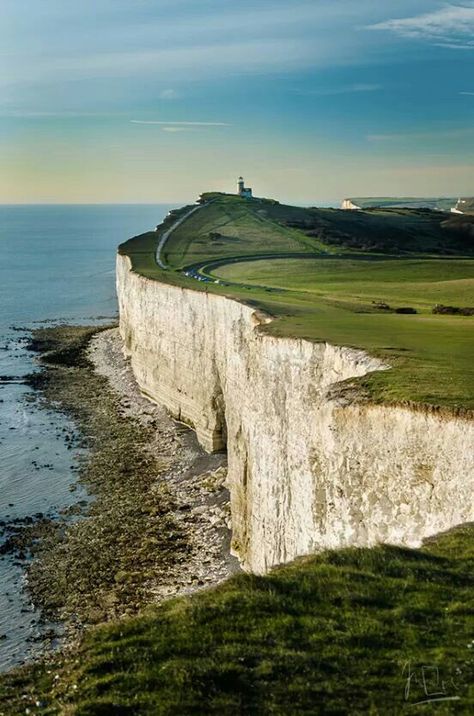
244, 192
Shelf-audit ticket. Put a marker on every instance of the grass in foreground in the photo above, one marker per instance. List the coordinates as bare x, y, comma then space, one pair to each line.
348, 631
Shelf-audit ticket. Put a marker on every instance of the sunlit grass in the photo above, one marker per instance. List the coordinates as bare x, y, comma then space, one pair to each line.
331, 299
336, 633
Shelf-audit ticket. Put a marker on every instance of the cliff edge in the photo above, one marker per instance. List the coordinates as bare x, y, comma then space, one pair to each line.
307, 471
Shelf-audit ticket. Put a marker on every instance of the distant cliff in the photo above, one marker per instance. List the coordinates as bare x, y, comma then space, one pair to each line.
400, 202
464, 206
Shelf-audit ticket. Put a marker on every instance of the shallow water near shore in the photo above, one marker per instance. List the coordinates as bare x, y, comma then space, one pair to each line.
56, 266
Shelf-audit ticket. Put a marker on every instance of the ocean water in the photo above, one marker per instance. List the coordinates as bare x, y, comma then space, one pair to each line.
57, 264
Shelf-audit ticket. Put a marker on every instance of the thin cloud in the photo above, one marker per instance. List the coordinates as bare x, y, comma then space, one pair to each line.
346, 89
361, 87
451, 26
468, 94
169, 94
180, 124
245, 57
455, 45
176, 129
441, 134
27, 114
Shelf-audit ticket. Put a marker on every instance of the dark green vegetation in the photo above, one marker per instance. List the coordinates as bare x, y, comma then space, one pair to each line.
345, 632
467, 205
384, 230
462, 224
101, 566
397, 257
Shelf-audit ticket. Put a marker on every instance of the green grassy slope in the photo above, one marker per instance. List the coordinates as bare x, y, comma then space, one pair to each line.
331, 298
230, 226
420, 282
344, 632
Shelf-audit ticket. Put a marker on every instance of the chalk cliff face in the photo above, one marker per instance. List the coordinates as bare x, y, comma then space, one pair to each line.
305, 471
349, 205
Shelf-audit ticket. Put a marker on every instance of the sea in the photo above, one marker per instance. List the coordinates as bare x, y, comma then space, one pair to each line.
57, 265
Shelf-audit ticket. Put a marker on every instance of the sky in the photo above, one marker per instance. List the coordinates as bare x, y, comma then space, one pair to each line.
312, 101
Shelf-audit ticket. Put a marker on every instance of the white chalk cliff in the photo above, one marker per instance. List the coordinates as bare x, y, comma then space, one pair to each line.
347, 204
306, 471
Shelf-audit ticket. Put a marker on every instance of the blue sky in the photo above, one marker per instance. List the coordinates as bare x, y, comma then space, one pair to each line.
158, 100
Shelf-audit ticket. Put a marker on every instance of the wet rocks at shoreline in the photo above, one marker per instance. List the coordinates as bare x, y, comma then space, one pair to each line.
157, 523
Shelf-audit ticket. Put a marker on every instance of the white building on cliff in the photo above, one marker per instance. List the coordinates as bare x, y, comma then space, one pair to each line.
244, 192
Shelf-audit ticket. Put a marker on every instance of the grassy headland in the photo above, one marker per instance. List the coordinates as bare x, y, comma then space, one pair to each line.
357, 269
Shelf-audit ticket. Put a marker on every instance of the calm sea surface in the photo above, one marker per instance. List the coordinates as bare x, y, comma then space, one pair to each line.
57, 264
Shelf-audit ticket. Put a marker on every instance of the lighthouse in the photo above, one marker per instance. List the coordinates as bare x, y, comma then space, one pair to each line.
244, 192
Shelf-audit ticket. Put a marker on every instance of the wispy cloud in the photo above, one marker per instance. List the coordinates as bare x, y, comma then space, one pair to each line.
345, 89
180, 124
450, 26
33, 114
469, 94
197, 40
176, 129
211, 60
420, 136
169, 94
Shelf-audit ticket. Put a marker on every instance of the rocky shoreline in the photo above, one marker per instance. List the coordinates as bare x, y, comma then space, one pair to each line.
157, 521
195, 479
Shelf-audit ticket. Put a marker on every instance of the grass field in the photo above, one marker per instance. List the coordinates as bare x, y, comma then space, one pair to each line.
352, 631
227, 228
331, 298
416, 282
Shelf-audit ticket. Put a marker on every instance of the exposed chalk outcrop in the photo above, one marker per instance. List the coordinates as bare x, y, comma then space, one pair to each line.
305, 470
348, 205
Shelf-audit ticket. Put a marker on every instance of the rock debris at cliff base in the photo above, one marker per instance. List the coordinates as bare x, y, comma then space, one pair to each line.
158, 522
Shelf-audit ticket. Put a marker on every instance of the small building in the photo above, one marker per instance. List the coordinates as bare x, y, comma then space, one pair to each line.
244, 192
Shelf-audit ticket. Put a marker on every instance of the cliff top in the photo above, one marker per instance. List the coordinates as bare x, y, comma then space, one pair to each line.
413, 202
465, 205
368, 279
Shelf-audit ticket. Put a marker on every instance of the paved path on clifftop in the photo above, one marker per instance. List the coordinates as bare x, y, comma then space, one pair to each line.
164, 237
202, 271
